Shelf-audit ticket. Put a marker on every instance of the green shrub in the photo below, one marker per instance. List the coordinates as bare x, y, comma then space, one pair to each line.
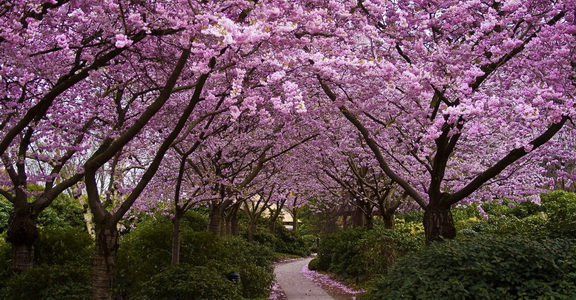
5, 211
62, 267
289, 241
51, 282
64, 245
186, 282
195, 220
560, 207
146, 252
534, 226
484, 268
340, 253
283, 241
5, 260
313, 264
380, 248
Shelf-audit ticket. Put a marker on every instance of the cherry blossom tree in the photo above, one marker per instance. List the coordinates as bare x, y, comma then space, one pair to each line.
453, 98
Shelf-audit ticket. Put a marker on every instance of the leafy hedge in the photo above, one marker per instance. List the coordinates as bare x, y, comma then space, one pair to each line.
484, 267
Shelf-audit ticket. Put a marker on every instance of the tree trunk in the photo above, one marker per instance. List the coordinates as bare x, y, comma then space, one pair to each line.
176, 240
251, 230
358, 217
438, 223
22, 234
389, 220
235, 224
106, 249
368, 221
228, 226
272, 225
215, 219
295, 225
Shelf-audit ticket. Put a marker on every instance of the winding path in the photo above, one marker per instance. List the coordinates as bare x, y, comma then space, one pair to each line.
295, 285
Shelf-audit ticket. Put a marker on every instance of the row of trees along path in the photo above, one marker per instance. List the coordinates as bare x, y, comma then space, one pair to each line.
133, 105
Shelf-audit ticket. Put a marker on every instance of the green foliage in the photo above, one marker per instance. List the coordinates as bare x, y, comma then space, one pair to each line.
381, 247
64, 211
62, 267
357, 251
64, 245
284, 241
195, 220
289, 241
144, 262
5, 211
313, 264
340, 252
560, 207
556, 217
310, 242
189, 282
5, 260
485, 267
51, 282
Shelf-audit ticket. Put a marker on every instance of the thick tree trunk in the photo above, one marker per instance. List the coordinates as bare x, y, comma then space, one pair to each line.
176, 240
22, 234
106, 249
438, 223
389, 220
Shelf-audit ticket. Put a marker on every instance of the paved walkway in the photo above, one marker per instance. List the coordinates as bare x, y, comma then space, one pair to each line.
295, 285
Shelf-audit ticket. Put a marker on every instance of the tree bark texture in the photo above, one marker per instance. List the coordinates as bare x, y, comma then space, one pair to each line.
438, 224
215, 219
22, 234
251, 230
106, 249
389, 220
176, 240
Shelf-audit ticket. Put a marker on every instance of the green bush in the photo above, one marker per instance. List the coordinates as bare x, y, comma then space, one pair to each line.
146, 252
381, 247
187, 282
50, 282
62, 270
5, 211
64, 245
560, 207
289, 241
283, 241
195, 220
484, 268
340, 253
313, 264
5, 260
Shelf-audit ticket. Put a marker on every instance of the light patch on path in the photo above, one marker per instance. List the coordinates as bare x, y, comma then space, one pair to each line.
295, 285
